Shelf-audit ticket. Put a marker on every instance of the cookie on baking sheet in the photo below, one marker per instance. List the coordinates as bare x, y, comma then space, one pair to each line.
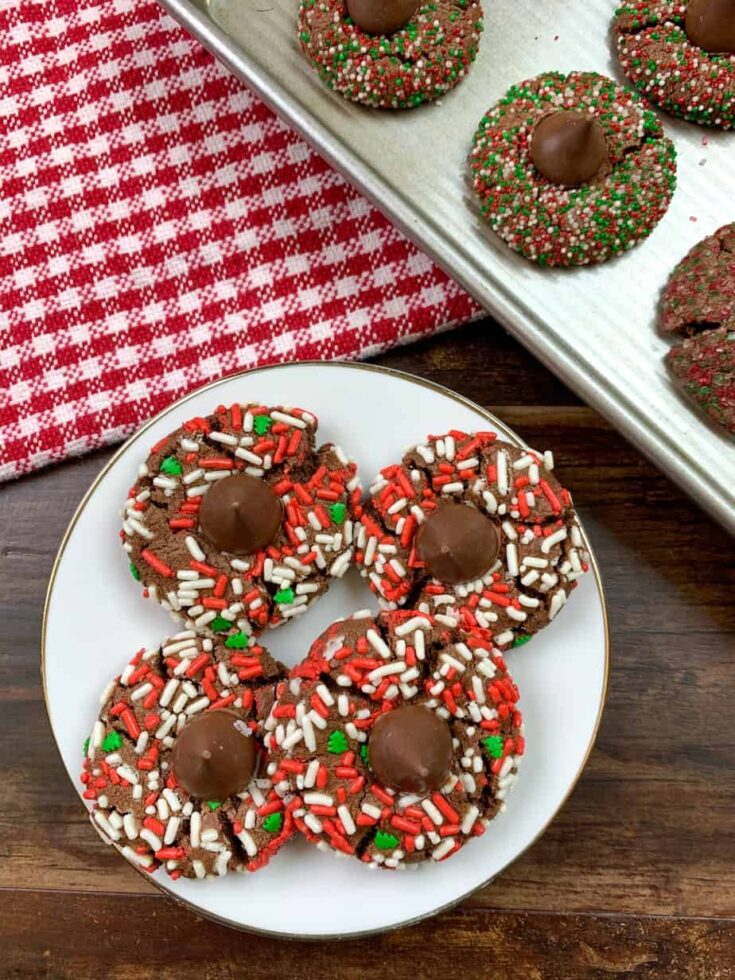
700, 294
705, 367
475, 529
681, 56
572, 169
397, 739
175, 765
237, 522
406, 53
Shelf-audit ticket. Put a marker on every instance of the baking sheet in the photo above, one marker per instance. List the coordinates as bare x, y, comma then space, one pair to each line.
595, 328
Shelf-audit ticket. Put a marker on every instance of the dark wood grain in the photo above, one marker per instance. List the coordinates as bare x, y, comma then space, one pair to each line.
636, 877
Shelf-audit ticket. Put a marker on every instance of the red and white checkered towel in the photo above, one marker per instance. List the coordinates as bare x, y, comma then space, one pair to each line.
160, 227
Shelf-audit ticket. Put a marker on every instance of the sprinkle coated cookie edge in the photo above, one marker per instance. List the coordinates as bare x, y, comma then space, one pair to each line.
418, 63
559, 226
319, 727
136, 802
542, 552
221, 594
667, 68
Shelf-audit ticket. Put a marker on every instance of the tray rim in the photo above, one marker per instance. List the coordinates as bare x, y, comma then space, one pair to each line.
508, 309
406, 376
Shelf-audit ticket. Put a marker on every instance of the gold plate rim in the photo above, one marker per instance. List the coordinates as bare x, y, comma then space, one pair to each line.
173, 407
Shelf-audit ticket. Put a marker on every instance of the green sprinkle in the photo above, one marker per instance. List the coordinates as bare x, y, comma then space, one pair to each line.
494, 745
385, 841
85, 747
284, 596
273, 823
219, 624
262, 423
337, 742
365, 754
238, 641
521, 641
172, 466
111, 742
338, 512
134, 572
213, 804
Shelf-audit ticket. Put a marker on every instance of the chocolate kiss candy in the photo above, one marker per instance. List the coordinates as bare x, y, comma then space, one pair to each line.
568, 148
211, 757
410, 749
457, 543
710, 24
240, 514
381, 16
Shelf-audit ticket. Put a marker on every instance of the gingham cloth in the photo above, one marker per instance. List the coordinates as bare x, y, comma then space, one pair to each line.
160, 227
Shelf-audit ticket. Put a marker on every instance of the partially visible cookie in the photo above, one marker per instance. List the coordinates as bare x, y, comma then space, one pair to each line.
473, 529
419, 62
397, 739
238, 522
618, 189
142, 790
680, 54
705, 367
700, 294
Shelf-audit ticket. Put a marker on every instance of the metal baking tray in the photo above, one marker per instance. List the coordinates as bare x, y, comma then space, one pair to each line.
595, 328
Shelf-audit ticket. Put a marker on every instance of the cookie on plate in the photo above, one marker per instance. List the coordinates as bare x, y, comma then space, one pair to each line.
681, 56
476, 530
397, 739
705, 367
572, 169
175, 765
237, 522
700, 294
390, 56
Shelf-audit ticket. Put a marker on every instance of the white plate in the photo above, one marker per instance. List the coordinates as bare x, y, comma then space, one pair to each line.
95, 619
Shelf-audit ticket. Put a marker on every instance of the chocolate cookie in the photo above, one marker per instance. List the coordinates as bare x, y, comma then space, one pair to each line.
571, 169
237, 522
175, 765
681, 56
400, 58
700, 294
473, 529
705, 366
397, 739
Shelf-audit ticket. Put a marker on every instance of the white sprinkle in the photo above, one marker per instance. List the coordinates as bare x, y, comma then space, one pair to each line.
548, 543
313, 823
195, 826
131, 826
193, 547
310, 774
144, 860
320, 799
443, 849
104, 824
346, 817
153, 840
511, 557
172, 799
378, 644
502, 472
324, 694
557, 601
172, 829
433, 813
468, 821
192, 477
288, 420
224, 437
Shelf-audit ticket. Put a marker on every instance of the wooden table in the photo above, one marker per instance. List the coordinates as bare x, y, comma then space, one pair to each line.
635, 878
